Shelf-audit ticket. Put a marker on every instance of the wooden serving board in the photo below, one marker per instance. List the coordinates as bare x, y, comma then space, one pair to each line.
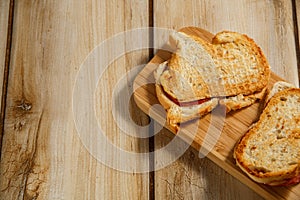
224, 131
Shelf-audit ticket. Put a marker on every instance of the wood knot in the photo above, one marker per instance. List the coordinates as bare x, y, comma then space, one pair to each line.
25, 106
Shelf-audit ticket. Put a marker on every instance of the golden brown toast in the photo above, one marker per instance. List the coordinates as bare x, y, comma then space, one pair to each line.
232, 64
269, 152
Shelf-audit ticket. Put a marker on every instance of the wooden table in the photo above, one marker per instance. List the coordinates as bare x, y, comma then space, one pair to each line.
42, 46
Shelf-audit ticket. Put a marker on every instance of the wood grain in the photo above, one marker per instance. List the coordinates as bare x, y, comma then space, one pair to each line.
297, 32
193, 178
4, 14
42, 155
268, 22
297, 14
4, 19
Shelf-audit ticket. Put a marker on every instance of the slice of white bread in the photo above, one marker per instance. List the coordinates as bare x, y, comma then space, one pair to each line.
232, 64
269, 152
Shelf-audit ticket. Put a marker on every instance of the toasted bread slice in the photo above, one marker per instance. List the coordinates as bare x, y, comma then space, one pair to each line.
241, 101
277, 87
269, 152
231, 71
177, 113
231, 65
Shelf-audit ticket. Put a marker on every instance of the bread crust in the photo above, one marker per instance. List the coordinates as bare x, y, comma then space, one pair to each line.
231, 65
277, 87
276, 136
177, 114
200, 70
241, 101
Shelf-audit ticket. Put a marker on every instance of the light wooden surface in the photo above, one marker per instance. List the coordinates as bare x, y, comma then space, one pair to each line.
193, 178
4, 16
42, 156
297, 28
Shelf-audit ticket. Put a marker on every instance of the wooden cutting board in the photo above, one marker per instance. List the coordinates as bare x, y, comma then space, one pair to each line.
223, 132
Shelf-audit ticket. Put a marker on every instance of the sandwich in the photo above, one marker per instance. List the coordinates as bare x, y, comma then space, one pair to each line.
269, 152
231, 70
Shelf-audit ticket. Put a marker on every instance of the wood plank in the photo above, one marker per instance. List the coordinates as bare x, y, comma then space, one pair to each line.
43, 156
4, 19
193, 178
297, 31
269, 23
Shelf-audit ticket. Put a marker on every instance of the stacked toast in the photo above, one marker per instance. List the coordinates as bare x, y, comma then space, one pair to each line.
232, 71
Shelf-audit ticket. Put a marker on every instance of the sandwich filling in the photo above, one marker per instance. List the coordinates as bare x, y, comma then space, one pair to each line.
293, 181
187, 103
